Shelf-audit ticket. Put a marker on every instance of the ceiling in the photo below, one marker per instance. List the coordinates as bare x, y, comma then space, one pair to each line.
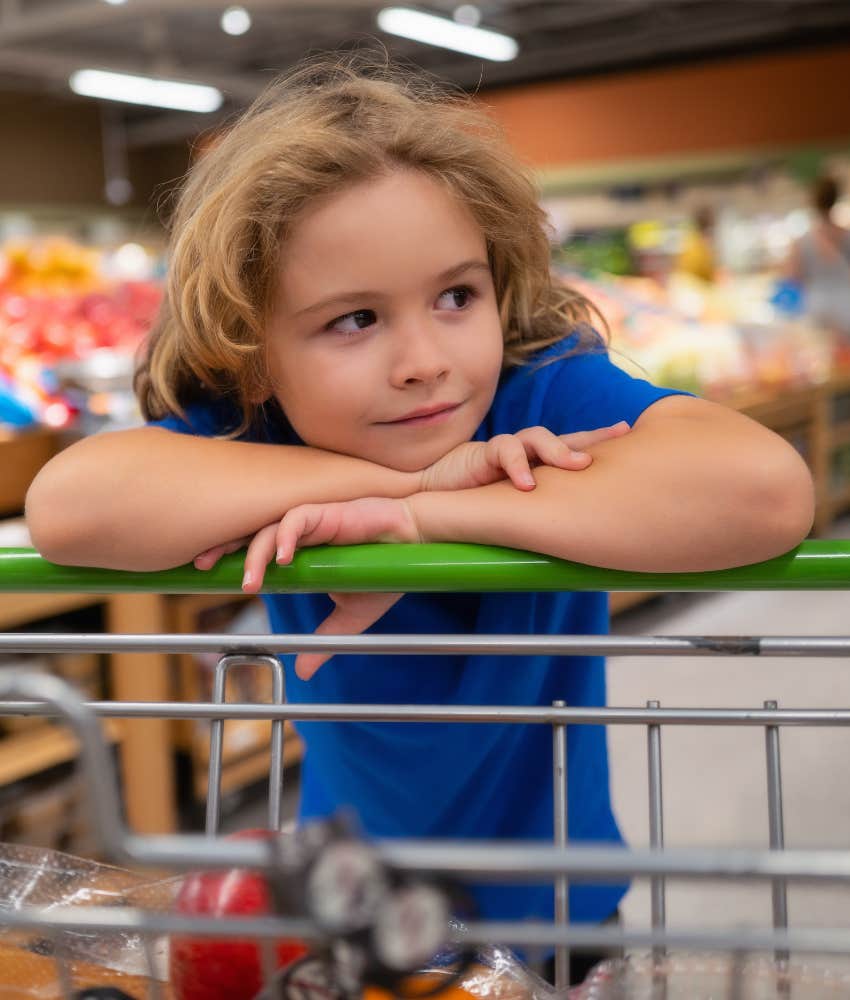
43, 41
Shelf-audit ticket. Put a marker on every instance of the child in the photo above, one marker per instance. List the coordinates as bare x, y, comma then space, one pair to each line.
361, 341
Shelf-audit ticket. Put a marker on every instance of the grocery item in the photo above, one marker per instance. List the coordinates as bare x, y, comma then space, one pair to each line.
28, 975
231, 968
713, 976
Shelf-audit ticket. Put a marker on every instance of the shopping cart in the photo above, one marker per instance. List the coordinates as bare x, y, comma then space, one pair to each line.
815, 565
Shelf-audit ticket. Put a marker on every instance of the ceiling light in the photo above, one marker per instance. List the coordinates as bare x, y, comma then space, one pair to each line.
145, 90
467, 13
115, 3
447, 34
235, 21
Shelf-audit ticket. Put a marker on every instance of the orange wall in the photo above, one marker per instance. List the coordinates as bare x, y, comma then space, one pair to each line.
775, 100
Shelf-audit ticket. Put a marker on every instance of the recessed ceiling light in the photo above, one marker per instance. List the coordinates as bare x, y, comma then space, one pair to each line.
235, 21
446, 34
146, 90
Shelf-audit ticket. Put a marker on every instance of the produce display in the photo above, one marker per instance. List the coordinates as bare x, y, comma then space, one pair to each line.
715, 340
64, 320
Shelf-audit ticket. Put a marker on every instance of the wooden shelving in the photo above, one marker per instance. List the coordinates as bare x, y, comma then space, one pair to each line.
34, 750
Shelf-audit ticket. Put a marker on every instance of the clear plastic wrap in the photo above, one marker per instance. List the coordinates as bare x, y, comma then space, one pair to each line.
497, 974
713, 977
45, 879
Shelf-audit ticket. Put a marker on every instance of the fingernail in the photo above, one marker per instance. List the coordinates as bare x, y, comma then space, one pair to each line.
247, 579
580, 454
280, 556
528, 480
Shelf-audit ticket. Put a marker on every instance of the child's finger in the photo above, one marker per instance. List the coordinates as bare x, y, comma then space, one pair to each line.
353, 614
549, 449
295, 525
209, 557
585, 439
260, 553
509, 454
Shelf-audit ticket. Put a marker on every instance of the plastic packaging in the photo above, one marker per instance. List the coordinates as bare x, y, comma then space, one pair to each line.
46, 879
713, 977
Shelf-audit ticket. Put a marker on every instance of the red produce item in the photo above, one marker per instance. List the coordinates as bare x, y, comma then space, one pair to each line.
224, 968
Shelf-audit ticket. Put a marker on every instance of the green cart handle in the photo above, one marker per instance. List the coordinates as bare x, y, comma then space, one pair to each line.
813, 565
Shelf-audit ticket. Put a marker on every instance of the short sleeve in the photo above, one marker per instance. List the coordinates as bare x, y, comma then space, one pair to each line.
202, 420
588, 390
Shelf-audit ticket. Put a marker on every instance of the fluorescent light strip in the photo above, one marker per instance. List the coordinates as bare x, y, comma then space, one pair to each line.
446, 34
145, 90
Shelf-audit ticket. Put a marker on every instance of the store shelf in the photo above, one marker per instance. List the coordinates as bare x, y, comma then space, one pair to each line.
19, 609
840, 499
840, 435
22, 454
35, 750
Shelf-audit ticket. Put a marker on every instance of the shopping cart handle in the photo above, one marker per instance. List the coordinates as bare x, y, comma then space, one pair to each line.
813, 565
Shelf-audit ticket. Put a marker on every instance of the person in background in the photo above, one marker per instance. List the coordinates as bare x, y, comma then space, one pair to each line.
820, 262
697, 256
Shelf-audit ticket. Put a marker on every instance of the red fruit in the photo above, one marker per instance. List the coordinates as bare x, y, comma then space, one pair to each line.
224, 968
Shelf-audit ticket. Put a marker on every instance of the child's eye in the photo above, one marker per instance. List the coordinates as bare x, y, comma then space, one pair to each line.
456, 299
352, 322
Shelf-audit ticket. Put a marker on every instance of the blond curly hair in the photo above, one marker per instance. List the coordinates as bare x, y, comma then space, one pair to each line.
331, 122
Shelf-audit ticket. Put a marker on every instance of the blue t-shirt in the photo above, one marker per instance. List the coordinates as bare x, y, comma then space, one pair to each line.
469, 780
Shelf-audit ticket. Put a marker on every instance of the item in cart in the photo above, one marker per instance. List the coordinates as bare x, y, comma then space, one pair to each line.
711, 976
27, 975
495, 974
43, 880
232, 968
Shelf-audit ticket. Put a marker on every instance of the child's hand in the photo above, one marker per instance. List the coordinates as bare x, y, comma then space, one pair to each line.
477, 463
372, 519
351, 522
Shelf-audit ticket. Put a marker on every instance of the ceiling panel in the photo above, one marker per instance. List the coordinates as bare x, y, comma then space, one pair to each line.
42, 41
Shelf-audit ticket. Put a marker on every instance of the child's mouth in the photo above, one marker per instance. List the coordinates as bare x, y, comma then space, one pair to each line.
424, 417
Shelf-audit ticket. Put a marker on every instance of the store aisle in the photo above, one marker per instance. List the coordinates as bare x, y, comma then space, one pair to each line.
714, 777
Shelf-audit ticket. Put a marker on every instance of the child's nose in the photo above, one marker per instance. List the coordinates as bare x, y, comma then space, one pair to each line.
419, 358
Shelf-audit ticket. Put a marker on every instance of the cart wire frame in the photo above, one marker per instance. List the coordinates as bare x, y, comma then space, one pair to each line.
813, 565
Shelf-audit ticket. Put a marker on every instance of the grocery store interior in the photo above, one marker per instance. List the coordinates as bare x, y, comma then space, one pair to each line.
677, 146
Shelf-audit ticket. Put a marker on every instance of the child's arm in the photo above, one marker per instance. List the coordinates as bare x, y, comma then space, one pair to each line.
151, 498
694, 487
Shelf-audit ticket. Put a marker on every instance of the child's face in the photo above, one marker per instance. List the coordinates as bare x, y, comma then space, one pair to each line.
403, 364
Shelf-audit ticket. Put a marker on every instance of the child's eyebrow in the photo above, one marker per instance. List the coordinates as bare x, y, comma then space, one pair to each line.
341, 297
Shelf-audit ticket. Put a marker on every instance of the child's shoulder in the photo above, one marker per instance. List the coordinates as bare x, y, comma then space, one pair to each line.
570, 385
221, 416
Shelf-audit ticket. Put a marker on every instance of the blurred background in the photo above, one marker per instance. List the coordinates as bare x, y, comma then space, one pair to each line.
679, 146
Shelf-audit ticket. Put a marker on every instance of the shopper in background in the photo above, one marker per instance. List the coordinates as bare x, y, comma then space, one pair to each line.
820, 262
361, 341
697, 256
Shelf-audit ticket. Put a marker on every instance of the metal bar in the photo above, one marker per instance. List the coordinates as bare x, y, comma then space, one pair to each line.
426, 645
775, 824
502, 714
213, 815
561, 836
813, 565
100, 783
834, 941
528, 861
275, 801
656, 821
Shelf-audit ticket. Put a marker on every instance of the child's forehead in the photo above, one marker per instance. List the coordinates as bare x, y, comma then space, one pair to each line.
404, 220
